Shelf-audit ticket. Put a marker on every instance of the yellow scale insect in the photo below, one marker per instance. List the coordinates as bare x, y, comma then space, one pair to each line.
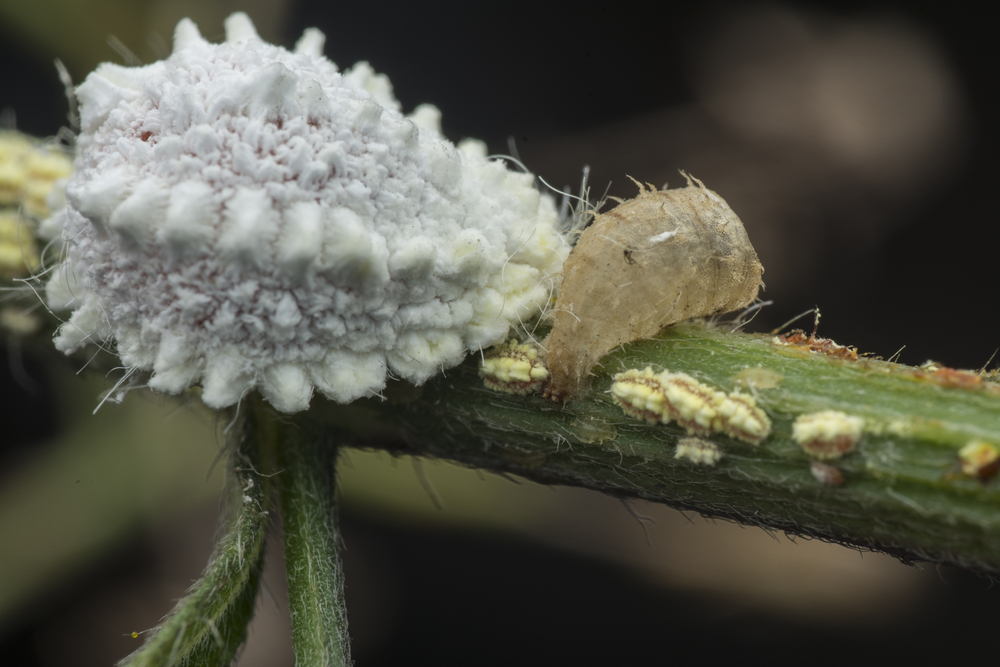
828, 434
696, 450
979, 459
700, 409
513, 368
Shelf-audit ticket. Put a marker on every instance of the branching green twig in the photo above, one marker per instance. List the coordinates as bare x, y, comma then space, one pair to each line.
903, 494
209, 624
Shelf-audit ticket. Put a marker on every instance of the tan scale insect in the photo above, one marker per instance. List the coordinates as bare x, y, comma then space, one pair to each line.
696, 450
639, 394
698, 408
828, 434
826, 474
693, 405
740, 417
979, 459
590, 430
664, 257
759, 377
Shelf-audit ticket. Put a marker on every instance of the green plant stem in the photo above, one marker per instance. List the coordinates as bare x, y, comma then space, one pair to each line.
903, 493
308, 458
208, 625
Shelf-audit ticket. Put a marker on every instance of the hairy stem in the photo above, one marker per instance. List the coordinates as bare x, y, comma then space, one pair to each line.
208, 625
904, 493
308, 457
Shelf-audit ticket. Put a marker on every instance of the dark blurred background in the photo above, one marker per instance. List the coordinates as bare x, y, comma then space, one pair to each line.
856, 141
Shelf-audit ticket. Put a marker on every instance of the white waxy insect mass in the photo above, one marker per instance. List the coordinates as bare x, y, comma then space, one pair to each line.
243, 216
661, 258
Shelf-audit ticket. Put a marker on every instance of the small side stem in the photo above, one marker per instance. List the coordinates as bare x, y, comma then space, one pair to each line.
208, 625
307, 491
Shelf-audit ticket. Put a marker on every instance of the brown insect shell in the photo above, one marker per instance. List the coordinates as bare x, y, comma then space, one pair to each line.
661, 258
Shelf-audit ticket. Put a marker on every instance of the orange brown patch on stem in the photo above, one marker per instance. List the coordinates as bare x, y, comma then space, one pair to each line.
812, 343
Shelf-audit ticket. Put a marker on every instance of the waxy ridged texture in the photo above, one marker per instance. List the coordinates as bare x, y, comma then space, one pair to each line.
245, 216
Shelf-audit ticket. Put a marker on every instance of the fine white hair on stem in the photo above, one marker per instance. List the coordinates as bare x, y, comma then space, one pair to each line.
563, 310
573, 219
671, 309
27, 285
517, 162
126, 53
236, 414
898, 352
741, 320
503, 277
982, 370
792, 321
107, 395
91, 359
67, 82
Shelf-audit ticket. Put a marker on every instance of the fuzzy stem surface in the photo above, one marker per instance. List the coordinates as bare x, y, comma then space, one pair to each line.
307, 488
207, 626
